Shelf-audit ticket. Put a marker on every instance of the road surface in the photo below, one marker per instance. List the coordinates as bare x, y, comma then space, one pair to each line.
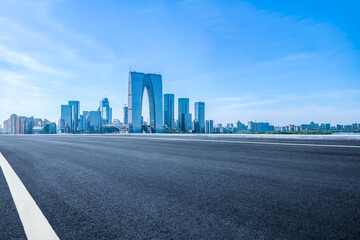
183, 187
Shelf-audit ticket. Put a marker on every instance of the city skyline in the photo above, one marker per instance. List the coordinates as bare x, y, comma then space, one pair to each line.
286, 65
149, 110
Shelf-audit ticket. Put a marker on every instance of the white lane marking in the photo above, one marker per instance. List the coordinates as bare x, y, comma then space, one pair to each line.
244, 142
35, 224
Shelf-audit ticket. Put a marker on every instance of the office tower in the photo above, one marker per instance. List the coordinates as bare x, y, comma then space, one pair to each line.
200, 116
238, 126
183, 105
85, 119
211, 126
230, 126
13, 121
126, 116
260, 127
185, 122
75, 115
82, 125
66, 118
95, 121
106, 111
20, 124
195, 126
169, 110
7, 125
138, 82
207, 126
29, 125
184, 117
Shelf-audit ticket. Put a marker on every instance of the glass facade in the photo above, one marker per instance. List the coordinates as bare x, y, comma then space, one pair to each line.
184, 117
126, 115
152, 83
169, 110
75, 115
95, 121
106, 111
200, 116
66, 119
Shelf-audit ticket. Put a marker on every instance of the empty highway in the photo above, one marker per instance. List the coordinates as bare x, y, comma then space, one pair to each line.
180, 187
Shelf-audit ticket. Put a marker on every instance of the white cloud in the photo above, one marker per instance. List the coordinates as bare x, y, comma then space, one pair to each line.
18, 59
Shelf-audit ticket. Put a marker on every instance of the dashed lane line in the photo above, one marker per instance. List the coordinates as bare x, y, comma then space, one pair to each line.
36, 226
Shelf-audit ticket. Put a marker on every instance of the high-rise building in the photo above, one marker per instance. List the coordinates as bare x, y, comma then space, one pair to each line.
21, 125
85, 121
66, 119
106, 111
211, 126
75, 120
184, 117
138, 82
238, 126
183, 105
7, 125
14, 124
82, 125
29, 125
126, 115
187, 121
200, 116
260, 127
169, 110
95, 121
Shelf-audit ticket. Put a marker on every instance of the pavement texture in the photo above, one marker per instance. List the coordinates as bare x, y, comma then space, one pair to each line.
158, 187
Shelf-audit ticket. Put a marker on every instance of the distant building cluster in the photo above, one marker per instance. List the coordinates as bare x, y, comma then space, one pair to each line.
240, 127
319, 127
184, 122
99, 121
28, 125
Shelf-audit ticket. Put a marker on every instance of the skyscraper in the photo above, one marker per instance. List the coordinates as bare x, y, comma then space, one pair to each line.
95, 121
29, 125
66, 119
7, 125
169, 110
85, 121
200, 116
75, 115
207, 126
184, 117
13, 121
106, 111
138, 82
211, 126
126, 116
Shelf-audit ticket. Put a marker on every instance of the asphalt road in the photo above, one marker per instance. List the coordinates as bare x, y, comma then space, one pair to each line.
158, 187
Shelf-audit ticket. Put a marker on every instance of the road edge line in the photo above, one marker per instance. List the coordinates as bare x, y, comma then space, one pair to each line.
35, 224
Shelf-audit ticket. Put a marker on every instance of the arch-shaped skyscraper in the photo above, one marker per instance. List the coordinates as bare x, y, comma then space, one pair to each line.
138, 82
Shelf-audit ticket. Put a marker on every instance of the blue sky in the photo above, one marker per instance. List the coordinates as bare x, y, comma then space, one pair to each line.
280, 61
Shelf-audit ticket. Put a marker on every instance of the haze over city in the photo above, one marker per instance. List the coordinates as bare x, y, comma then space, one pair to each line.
248, 60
